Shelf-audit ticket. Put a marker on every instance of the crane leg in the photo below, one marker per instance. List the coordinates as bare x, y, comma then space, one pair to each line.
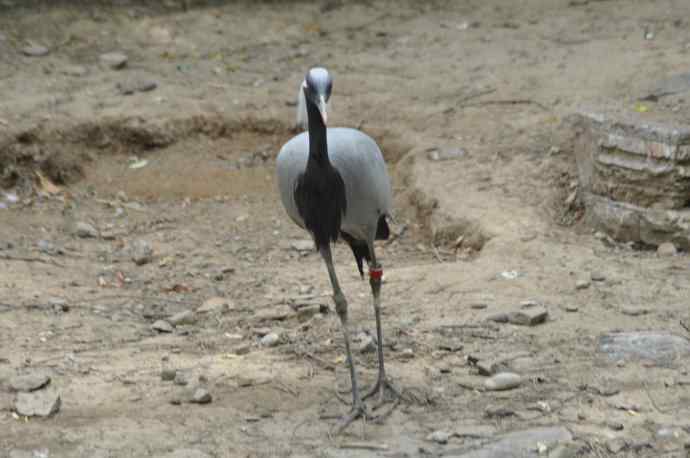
382, 383
358, 407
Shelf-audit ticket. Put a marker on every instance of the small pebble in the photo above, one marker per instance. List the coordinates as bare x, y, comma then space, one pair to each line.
270, 340
503, 381
142, 253
35, 51
634, 311
114, 60
85, 230
571, 308
582, 284
302, 245
478, 306
407, 353
615, 425
528, 317
440, 437
201, 396
162, 326
666, 249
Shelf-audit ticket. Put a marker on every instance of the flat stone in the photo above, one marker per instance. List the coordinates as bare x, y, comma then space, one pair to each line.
519, 444
35, 50
582, 284
168, 374
29, 382
302, 245
503, 381
664, 349
529, 316
634, 311
133, 85
85, 230
114, 60
214, 304
271, 339
201, 396
440, 437
615, 425
666, 249
183, 317
142, 253
42, 403
162, 326
446, 154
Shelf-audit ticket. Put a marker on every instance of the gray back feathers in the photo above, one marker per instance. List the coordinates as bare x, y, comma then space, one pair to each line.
360, 163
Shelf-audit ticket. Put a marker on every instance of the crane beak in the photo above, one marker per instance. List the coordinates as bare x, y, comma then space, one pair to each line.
322, 109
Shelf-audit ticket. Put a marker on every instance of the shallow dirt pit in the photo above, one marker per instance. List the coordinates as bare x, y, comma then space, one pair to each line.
194, 168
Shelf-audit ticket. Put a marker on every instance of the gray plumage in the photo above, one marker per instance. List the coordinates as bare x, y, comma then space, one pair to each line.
360, 163
334, 184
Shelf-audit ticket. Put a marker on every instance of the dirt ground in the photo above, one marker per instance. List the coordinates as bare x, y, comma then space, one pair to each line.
490, 230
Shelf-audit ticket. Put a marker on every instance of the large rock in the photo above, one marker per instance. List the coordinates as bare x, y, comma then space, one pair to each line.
519, 444
38, 403
663, 349
634, 173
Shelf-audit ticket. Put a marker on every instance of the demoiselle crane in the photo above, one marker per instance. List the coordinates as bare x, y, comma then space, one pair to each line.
333, 183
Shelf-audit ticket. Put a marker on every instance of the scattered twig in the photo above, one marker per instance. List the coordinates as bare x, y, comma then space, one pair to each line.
475, 95
509, 102
282, 386
363, 446
8, 257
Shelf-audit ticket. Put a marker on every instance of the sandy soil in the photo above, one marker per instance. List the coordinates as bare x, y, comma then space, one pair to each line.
489, 231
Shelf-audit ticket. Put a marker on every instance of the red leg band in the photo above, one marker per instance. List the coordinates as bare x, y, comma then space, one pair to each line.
376, 274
